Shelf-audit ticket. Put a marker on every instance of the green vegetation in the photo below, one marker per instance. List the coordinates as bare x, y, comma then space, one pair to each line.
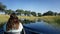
2, 7
26, 12
52, 19
3, 18
49, 19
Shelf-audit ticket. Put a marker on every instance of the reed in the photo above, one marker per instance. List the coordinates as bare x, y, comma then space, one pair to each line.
51, 19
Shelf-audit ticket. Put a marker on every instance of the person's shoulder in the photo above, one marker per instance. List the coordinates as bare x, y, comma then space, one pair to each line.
20, 26
20, 23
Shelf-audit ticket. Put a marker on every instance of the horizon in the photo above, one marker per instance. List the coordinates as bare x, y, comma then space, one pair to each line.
38, 6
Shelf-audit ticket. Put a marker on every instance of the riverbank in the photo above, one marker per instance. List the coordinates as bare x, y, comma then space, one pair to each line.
48, 19
4, 18
51, 19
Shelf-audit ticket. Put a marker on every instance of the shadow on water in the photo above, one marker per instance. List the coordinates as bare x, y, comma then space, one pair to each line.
26, 21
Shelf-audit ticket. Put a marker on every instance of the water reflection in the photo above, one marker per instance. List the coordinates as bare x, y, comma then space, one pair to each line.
41, 28
26, 21
38, 26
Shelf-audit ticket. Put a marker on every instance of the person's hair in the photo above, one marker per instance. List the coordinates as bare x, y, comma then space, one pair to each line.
12, 20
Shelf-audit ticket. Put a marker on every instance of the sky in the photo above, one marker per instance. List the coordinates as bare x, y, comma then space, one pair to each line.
39, 6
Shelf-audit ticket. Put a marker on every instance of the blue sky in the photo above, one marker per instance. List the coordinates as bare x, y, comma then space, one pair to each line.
41, 6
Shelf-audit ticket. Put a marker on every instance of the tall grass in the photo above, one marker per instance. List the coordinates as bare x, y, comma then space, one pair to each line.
52, 19
48, 19
4, 18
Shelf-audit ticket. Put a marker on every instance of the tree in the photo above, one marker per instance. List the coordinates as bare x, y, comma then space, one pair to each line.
59, 14
20, 11
55, 13
39, 14
49, 13
27, 13
2, 7
9, 11
33, 13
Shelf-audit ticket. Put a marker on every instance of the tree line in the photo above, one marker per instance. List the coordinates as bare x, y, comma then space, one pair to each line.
26, 12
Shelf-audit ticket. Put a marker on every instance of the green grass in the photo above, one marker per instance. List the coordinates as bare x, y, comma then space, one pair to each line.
3, 18
54, 20
51, 19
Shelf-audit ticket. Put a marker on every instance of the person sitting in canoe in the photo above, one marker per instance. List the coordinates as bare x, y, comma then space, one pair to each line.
13, 26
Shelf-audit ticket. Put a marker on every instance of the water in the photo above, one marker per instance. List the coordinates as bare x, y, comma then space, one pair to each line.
38, 27
41, 28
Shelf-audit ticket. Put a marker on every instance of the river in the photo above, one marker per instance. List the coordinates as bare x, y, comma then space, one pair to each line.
39, 27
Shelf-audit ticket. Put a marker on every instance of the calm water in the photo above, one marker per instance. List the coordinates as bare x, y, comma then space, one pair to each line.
38, 27
41, 27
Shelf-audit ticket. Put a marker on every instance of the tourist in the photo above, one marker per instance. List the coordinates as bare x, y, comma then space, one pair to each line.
13, 26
